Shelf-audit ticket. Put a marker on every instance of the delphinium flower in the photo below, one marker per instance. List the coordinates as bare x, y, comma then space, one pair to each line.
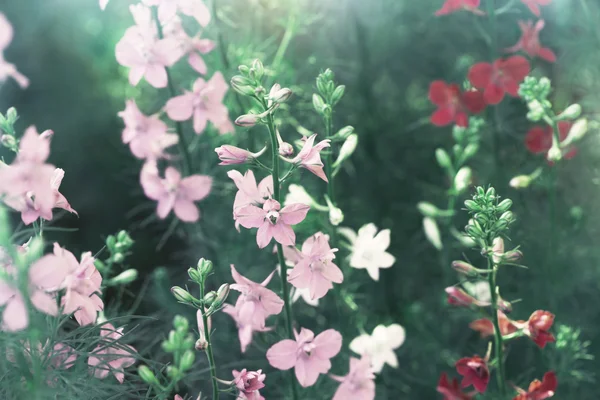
359, 384
451, 389
167, 9
147, 136
248, 384
534, 5
309, 355
194, 47
539, 390
174, 192
475, 372
248, 191
111, 356
530, 41
454, 105
537, 327
204, 103
8, 70
231, 155
539, 139
486, 328
451, 6
310, 156
369, 249
380, 345
502, 76
315, 269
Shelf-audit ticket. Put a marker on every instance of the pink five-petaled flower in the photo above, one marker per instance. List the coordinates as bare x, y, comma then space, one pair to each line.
503, 76
167, 9
245, 322
308, 354
530, 41
249, 383
539, 390
452, 104
451, 6
451, 390
111, 355
175, 193
7, 69
310, 156
539, 139
272, 221
204, 103
194, 47
359, 384
534, 5
147, 136
142, 51
474, 371
315, 270
248, 191
231, 155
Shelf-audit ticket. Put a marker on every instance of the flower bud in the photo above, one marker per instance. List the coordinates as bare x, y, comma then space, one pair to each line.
147, 375
222, 294
554, 154
205, 267
297, 194
173, 372
460, 298
187, 360
318, 103
337, 94
512, 256
464, 268
181, 323
286, 149
182, 295
118, 257
247, 120
194, 275
504, 205
231, 155
8, 141
346, 150
279, 95
472, 206
470, 150
462, 180
201, 344
259, 69
124, 277
503, 305
428, 209
520, 182
497, 250
508, 216
576, 133
244, 70
11, 115
100, 266
243, 89
336, 216
432, 232
443, 159
572, 112
343, 133
209, 298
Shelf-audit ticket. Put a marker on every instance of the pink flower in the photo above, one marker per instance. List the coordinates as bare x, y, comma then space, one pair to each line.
309, 355
460, 298
175, 193
273, 221
231, 155
248, 191
111, 355
255, 298
140, 50
503, 76
453, 106
539, 390
249, 383
316, 270
359, 384
7, 69
451, 6
530, 41
451, 389
243, 315
534, 5
167, 9
194, 47
475, 372
310, 156
146, 135
204, 103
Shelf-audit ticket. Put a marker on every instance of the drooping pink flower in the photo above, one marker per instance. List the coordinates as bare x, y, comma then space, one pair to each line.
245, 322
451, 390
486, 328
8, 70
453, 106
315, 270
534, 5
111, 355
539, 390
248, 191
147, 136
359, 384
249, 383
538, 327
539, 139
142, 51
204, 103
175, 193
272, 221
451, 6
309, 355
475, 372
231, 155
530, 41
503, 76
310, 156
194, 46
167, 9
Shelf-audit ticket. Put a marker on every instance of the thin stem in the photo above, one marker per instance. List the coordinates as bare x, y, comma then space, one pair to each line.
329, 173
285, 42
209, 351
499, 351
187, 165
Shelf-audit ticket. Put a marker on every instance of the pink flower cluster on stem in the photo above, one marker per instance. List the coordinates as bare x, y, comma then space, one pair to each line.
8, 70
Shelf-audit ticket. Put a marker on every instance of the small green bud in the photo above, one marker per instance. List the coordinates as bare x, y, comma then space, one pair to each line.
504, 205
520, 182
187, 360
259, 69
428, 209
244, 70
181, 323
490, 193
173, 372
318, 103
8, 141
118, 258
576, 133
337, 94
124, 238
470, 150
205, 267
571, 112
464, 268
472, 206
432, 232
209, 298
463, 178
343, 133
147, 375
508, 215
124, 278
194, 275
182, 295
100, 266
222, 294
443, 159
111, 241
11, 115
346, 150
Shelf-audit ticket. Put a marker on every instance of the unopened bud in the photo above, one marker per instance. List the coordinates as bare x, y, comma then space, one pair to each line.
571, 112
259, 69
576, 133
428, 209
205, 267
470, 150
343, 133
187, 360
346, 150
147, 375
243, 89
460, 298
244, 70
464, 268
209, 298
222, 294
432, 232
554, 154
336, 216
504, 205
201, 344
182, 295
497, 250
247, 120
11, 115
520, 182
508, 216
8, 141
286, 149
194, 275
181, 323
124, 277
503, 305
462, 180
279, 95
337, 94
443, 159
512, 256
118, 258
318, 103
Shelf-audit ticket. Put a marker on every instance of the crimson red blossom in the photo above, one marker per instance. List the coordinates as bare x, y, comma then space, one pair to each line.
502, 76
534, 5
453, 106
475, 372
486, 328
530, 41
539, 139
451, 390
451, 6
538, 327
539, 390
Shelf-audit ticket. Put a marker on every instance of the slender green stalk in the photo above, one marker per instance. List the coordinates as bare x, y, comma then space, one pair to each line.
209, 350
285, 41
329, 173
499, 347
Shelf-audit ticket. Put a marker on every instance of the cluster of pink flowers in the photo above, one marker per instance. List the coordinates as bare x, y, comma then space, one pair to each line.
8, 70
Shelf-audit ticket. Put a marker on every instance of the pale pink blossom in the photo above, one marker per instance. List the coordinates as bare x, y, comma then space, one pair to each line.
245, 322
272, 221
167, 9
174, 192
142, 51
248, 191
255, 298
8, 70
194, 46
231, 155
359, 384
204, 103
380, 346
309, 355
249, 383
315, 270
147, 136
310, 156
103, 4
111, 355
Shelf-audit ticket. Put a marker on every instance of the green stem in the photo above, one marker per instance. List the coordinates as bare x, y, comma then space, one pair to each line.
285, 42
329, 173
499, 347
209, 350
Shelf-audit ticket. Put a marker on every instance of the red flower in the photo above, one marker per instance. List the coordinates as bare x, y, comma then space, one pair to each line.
451, 391
539, 139
486, 327
474, 371
452, 104
460, 298
530, 41
538, 327
534, 5
539, 390
503, 76
451, 6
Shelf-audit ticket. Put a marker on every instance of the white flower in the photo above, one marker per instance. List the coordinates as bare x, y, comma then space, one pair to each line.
480, 290
305, 294
297, 194
380, 345
369, 249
